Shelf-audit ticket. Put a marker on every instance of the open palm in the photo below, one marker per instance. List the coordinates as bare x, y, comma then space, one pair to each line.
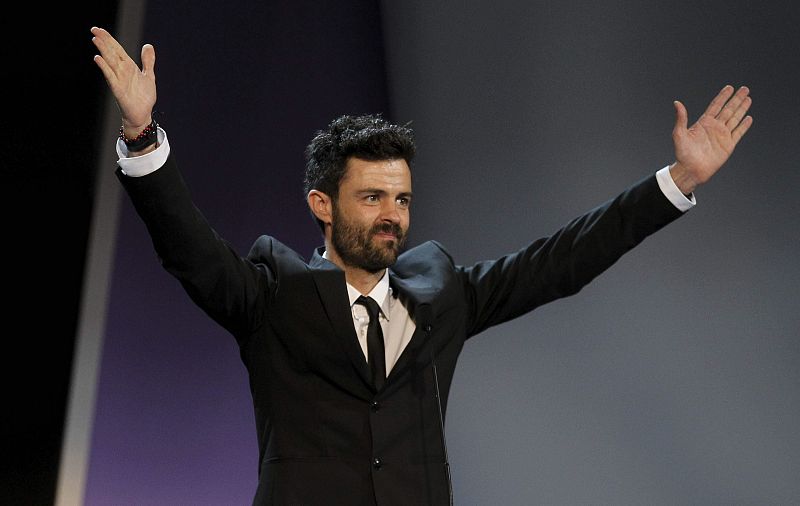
700, 150
133, 89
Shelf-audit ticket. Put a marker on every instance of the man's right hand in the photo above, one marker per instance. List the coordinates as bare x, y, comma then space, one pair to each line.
133, 89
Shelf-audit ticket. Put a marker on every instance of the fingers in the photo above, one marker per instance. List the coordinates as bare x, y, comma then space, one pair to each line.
105, 53
115, 56
719, 101
737, 115
113, 51
732, 106
148, 59
741, 129
681, 117
110, 59
115, 63
733, 111
107, 72
102, 41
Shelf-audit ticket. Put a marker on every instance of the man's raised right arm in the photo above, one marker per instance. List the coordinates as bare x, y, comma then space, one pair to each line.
226, 286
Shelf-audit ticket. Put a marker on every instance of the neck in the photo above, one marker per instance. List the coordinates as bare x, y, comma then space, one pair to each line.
361, 280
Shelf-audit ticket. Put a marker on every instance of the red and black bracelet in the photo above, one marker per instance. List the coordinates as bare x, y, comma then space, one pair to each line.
145, 138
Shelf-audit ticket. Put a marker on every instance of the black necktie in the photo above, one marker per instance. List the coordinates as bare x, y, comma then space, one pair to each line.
375, 349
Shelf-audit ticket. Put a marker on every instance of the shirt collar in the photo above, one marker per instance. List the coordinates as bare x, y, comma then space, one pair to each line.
380, 293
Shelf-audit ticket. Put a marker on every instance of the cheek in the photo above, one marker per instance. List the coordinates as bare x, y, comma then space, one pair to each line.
405, 218
359, 215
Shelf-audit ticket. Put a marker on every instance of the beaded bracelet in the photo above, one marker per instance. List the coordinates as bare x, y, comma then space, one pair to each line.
145, 138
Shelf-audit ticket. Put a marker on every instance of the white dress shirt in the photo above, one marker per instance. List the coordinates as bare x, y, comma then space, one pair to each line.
396, 324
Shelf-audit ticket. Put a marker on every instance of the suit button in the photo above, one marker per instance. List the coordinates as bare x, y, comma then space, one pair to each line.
377, 463
375, 406
428, 328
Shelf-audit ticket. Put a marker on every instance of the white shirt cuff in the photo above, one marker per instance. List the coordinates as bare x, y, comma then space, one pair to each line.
671, 191
139, 166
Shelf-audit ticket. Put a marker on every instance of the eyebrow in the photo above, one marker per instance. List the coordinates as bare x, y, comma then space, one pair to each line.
377, 191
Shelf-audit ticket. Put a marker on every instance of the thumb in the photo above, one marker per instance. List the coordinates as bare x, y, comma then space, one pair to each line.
148, 59
681, 117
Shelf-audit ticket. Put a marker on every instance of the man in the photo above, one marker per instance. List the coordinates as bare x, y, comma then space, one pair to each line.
351, 355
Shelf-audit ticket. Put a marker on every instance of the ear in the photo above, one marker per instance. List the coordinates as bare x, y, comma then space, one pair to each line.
321, 206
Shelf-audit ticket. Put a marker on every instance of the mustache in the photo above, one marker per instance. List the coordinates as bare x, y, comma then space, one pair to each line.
388, 228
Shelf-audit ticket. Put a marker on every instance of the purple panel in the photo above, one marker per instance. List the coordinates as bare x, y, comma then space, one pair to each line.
242, 90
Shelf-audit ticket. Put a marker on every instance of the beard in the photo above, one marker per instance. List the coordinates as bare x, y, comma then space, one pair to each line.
355, 246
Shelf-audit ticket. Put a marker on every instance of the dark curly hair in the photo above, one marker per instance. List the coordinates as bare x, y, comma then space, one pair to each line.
369, 137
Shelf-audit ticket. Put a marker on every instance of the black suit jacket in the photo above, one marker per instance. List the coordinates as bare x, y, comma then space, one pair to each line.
325, 436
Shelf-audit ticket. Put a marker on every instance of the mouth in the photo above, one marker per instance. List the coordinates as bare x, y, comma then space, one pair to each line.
387, 233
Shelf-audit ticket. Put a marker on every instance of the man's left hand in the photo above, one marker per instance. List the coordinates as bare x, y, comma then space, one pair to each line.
703, 148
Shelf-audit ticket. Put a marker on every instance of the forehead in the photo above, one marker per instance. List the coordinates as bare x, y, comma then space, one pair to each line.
391, 174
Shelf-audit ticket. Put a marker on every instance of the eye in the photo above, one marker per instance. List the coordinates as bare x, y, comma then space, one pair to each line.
372, 198
403, 201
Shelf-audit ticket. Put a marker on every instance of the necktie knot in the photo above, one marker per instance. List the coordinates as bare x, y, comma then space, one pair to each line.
373, 309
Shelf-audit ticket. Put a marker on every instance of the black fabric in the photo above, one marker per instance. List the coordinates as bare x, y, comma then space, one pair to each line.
326, 435
375, 347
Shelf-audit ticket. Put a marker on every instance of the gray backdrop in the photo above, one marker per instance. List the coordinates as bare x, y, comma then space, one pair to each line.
672, 379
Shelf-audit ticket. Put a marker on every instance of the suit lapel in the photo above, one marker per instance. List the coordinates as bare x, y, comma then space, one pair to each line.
332, 291
415, 285
417, 292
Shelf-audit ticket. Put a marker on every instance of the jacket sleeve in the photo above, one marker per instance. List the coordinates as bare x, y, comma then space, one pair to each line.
560, 265
227, 287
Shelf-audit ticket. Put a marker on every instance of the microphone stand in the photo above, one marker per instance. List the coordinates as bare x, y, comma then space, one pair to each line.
441, 429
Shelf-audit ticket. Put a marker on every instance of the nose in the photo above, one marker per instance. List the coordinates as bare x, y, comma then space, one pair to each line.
389, 212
